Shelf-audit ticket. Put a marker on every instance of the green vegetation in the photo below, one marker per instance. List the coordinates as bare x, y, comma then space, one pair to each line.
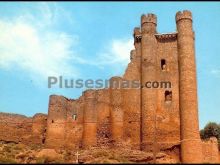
211, 129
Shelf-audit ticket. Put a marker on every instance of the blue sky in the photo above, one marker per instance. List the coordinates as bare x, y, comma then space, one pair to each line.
92, 40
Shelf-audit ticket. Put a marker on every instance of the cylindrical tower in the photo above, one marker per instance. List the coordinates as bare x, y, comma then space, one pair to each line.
90, 119
116, 113
191, 148
103, 117
39, 128
55, 134
148, 73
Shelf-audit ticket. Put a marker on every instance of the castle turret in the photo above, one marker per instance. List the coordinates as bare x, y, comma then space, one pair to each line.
116, 110
148, 73
39, 128
191, 151
103, 117
90, 119
55, 134
148, 24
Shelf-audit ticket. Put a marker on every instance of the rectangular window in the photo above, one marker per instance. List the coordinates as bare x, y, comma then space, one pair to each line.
163, 64
74, 116
168, 96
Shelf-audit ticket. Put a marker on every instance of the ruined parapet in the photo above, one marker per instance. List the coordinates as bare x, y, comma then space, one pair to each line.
148, 73
39, 128
116, 110
80, 119
133, 55
90, 119
15, 128
191, 149
132, 95
133, 70
132, 119
55, 135
103, 117
210, 151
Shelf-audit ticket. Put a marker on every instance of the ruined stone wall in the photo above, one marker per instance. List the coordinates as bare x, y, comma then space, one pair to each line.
90, 119
219, 156
15, 128
116, 111
132, 98
103, 118
74, 124
150, 119
210, 151
21, 129
39, 128
57, 117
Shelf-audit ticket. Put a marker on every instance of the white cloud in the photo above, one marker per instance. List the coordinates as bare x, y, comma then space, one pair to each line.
28, 43
116, 53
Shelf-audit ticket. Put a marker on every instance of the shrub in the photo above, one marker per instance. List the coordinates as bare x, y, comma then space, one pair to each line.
211, 129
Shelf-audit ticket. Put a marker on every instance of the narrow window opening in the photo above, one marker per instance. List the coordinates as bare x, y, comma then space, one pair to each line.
163, 64
74, 116
52, 121
168, 96
43, 140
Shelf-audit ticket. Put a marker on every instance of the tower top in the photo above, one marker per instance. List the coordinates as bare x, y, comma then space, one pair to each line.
185, 14
149, 18
137, 31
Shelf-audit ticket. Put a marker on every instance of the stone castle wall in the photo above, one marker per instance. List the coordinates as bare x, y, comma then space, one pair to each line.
155, 120
21, 129
210, 151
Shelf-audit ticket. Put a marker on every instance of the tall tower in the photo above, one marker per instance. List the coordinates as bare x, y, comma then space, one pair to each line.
148, 73
90, 119
56, 122
191, 151
116, 112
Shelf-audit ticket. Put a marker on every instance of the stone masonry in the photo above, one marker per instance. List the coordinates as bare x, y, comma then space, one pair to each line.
141, 118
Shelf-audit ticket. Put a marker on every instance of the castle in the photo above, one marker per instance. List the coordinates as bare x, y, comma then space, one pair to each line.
143, 118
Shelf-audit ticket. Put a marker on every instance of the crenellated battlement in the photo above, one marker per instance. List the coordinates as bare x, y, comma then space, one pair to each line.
160, 36
185, 14
166, 36
149, 18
